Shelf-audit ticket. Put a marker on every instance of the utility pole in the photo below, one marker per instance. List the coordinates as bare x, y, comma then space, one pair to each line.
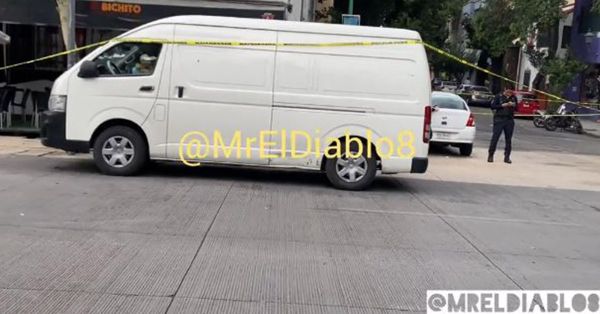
70, 42
351, 7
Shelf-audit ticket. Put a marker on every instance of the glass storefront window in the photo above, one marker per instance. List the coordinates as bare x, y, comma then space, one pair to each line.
48, 41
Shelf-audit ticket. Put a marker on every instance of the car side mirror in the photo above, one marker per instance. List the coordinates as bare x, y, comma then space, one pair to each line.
88, 69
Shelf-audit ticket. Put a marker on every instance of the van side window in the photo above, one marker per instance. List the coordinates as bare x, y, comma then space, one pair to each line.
129, 59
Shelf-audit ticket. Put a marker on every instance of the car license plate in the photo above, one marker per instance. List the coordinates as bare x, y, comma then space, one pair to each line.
443, 135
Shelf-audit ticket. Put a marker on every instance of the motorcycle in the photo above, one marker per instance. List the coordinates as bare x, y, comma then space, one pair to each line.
539, 120
564, 120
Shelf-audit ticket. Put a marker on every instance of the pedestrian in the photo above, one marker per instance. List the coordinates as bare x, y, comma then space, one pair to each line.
504, 122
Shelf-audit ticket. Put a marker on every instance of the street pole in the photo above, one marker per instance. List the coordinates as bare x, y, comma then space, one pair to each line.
70, 42
351, 7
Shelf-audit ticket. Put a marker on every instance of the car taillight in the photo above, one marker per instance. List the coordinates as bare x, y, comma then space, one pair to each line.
427, 125
471, 121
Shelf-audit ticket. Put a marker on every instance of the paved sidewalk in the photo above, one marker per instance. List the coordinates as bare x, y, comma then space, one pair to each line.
14, 145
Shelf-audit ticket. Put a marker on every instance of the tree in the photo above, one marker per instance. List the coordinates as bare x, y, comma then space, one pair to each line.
429, 17
501, 23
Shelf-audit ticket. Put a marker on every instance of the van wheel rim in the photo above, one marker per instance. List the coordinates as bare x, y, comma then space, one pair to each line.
351, 170
118, 151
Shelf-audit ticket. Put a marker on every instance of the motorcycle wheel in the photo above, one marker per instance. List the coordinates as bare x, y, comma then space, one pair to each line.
576, 125
538, 122
551, 124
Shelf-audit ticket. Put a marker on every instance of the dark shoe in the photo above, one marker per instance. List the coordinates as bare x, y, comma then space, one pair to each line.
507, 160
490, 158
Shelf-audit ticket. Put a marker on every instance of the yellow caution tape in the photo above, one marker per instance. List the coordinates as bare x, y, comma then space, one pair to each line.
554, 98
52, 56
469, 64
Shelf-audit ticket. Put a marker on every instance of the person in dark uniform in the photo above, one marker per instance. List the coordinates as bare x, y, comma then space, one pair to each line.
504, 121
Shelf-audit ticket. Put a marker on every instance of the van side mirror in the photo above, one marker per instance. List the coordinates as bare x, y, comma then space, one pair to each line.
88, 69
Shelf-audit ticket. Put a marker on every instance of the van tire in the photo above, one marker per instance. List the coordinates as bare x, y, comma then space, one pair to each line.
466, 150
131, 149
332, 167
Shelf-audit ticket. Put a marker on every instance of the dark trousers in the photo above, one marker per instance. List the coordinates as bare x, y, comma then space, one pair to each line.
508, 127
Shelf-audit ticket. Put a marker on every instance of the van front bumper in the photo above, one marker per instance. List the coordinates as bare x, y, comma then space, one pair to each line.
53, 133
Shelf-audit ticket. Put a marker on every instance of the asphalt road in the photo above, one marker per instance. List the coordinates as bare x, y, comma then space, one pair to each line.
231, 240
529, 138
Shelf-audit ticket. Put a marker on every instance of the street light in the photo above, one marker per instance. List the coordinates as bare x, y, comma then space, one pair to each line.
351, 7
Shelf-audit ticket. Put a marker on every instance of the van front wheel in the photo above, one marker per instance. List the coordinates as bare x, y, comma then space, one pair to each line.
350, 173
120, 151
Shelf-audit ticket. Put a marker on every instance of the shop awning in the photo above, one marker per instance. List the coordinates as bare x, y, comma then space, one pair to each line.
129, 14
4, 39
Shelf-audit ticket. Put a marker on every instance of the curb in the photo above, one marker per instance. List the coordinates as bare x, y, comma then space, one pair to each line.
25, 133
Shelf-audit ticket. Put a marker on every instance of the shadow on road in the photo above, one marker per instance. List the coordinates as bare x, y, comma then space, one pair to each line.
233, 173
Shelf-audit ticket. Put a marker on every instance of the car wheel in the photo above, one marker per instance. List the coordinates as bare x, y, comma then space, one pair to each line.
120, 151
351, 173
466, 150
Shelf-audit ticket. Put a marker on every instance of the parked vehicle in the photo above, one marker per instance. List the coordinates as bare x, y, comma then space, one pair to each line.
452, 122
539, 120
527, 103
128, 112
449, 87
564, 120
476, 95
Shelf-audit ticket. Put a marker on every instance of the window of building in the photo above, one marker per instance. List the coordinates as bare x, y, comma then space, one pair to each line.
48, 40
566, 37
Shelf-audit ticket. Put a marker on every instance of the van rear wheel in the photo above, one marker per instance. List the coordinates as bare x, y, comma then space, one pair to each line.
350, 173
120, 151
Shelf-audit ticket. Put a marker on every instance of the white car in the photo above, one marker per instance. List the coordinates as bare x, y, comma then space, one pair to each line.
452, 122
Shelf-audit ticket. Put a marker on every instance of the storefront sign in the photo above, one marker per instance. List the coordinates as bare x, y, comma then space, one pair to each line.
116, 7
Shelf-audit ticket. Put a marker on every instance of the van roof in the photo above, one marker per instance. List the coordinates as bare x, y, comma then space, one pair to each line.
276, 25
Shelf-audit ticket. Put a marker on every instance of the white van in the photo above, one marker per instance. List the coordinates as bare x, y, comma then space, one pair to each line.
158, 93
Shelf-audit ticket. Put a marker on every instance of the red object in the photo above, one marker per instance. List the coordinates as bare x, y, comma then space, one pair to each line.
268, 16
528, 102
471, 121
427, 125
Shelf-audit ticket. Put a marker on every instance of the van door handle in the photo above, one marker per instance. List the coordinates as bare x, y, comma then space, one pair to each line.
147, 89
179, 91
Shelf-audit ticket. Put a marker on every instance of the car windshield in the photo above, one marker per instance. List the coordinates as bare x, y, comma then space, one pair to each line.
448, 102
481, 89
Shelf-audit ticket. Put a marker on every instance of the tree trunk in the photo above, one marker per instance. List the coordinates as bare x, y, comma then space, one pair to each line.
497, 68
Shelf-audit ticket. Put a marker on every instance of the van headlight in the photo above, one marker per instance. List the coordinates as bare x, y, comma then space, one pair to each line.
57, 103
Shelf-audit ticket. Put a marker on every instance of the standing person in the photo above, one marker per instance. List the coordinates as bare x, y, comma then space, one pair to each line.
504, 121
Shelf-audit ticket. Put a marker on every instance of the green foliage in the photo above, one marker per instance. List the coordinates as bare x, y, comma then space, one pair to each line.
428, 17
500, 22
561, 72
596, 6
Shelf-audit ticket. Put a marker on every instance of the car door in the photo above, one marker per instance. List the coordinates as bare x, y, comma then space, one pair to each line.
221, 91
127, 88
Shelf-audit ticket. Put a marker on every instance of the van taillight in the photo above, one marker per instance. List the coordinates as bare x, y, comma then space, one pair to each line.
471, 121
427, 125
